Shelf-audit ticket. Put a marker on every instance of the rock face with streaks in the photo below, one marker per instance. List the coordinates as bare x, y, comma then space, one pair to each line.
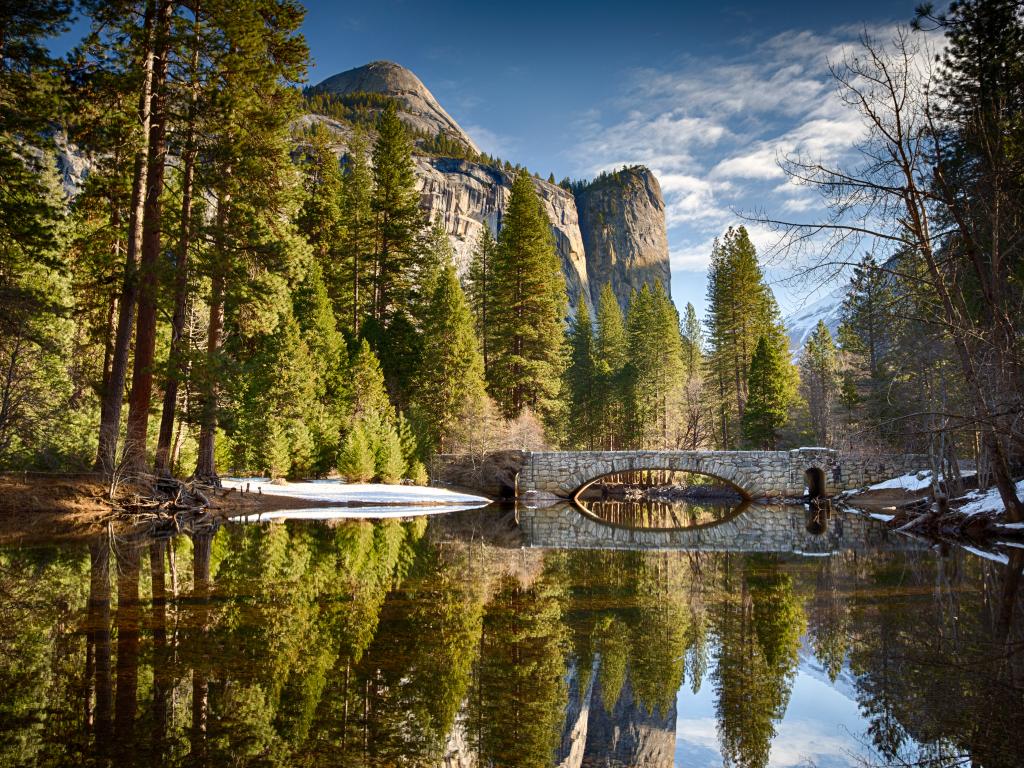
622, 222
468, 196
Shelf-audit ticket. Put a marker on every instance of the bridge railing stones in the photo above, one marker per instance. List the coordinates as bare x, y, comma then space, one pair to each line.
757, 474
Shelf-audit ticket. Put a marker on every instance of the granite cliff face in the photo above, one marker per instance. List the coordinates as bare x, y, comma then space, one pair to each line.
612, 230
625, 735
622, 222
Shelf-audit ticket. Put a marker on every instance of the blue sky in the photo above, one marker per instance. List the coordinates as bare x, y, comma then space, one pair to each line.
706, 94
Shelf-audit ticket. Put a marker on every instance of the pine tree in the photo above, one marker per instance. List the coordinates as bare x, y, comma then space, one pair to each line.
452, 372
819, 380
254, 251
478, 279
276, 384
328, 406
692, 431
528, 303
869, 327
611, 355
33, 293
389, 464
741, 309
581, 380
656, 371
369, 395
356, 460
395, 205
352, 279
767, 400
320, 219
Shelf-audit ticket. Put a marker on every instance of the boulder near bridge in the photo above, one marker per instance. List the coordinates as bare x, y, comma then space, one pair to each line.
755, 474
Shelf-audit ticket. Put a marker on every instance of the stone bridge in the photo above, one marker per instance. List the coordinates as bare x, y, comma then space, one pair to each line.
755, 474
756, 528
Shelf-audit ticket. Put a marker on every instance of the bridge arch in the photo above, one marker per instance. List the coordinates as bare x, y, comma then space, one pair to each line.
586, 472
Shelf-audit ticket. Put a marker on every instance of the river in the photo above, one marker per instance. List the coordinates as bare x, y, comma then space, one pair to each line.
456, 640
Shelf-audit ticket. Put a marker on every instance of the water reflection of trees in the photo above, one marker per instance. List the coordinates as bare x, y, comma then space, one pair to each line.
369, 644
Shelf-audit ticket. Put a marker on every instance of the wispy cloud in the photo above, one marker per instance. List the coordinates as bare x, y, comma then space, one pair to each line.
714, 133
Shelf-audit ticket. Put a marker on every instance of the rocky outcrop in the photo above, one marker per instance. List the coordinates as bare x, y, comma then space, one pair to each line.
420, 110
619, 734
622, 223
468, 196
627, 735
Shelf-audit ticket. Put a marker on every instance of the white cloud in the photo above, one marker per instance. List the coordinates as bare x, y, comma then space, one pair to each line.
490, 142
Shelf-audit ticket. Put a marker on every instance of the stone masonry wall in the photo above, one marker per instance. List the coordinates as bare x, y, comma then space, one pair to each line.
758, 474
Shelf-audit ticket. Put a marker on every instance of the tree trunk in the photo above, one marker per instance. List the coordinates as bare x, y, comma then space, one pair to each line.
205, 465
145, 330
113, 391
175, 358
128, 636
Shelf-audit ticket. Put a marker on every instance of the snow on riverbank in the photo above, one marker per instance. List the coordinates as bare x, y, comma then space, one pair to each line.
356, 513
986, 501
362, 493
915, 481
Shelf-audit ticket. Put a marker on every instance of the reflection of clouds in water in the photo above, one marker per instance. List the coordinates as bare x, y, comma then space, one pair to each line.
821, 727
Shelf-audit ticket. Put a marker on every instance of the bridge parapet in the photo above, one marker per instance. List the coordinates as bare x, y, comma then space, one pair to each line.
756, 474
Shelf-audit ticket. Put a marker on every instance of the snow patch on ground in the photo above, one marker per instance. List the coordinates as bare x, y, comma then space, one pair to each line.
337, 491
880, 516
355, 513
987, 501
914, 481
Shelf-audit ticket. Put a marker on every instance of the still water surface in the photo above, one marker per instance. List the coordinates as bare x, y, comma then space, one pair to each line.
442, 641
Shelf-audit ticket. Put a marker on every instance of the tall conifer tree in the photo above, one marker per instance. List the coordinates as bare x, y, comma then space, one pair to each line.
452, 372
581, 380
528, 310
768, 401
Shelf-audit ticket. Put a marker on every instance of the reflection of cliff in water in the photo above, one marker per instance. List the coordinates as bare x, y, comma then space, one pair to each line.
619, 734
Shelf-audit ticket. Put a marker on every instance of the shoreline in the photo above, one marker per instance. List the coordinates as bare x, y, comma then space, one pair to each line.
59, 507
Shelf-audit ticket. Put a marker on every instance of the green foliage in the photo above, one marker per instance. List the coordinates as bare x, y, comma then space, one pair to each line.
741, 310
528, 307
395, 204
388, 461
581, 380
656, 372
478, 289
452, 372
819, 381
768, 400
611, 354
356, 460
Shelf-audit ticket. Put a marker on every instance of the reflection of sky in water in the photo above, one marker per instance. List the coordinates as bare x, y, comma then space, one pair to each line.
822, 725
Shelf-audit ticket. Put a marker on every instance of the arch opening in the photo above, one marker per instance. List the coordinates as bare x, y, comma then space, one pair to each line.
659, 499
648, 477
814, 480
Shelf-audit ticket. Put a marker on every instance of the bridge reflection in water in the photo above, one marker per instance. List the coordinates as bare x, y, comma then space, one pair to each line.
746, 528
651, 514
